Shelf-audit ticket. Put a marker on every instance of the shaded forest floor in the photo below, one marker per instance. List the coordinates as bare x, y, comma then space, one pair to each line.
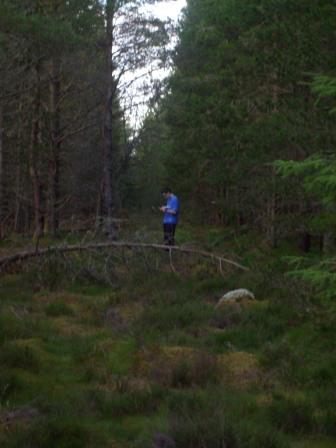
148, 361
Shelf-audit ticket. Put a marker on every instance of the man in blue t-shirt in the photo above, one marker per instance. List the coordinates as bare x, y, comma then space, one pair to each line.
170, 216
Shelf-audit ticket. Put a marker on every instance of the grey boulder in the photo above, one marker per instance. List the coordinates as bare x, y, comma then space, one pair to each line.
235, 296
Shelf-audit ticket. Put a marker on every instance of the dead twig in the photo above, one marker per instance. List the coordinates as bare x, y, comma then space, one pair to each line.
171, 261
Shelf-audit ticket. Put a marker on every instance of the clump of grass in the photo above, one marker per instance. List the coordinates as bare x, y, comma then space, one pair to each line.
23, 327
9, 384
48, 272
11, 327
105, 358
328, 421
292, 414
178, 367
129, 402
58, 308
248, 329
200, 370
282, 358
323, 401
160, 320
89, 289
57, 433
227, 317
324, 373
253, 433
195, 422
213, 420
96, 307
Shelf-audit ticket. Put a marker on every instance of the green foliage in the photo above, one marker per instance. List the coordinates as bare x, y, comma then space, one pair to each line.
204, 420
198, 423
126, 403
325, 86
239, 99
292, 414
161, 319
48, 273
167, 377
320, 275
317, 174
59, 308
58, 434
45, 27
260, 324
148, 171
9, 383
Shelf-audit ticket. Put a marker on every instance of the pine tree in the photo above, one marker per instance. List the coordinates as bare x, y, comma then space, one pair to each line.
317, 175
239, 99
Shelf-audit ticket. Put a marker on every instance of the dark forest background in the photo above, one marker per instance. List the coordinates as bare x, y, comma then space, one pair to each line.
251, 84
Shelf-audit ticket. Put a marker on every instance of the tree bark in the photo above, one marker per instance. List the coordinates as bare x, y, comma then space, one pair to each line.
37, 184
1, 175
329, 243
271, 230
305, 243
55, 155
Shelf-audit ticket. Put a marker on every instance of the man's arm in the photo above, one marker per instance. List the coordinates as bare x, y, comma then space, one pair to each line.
172, 208
166, 209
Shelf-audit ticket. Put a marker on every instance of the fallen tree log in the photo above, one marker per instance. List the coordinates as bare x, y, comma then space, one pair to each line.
28, 254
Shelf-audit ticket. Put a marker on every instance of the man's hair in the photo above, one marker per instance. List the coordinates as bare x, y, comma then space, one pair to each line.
166, 190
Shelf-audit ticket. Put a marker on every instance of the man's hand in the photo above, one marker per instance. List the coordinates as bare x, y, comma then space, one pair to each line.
163, 209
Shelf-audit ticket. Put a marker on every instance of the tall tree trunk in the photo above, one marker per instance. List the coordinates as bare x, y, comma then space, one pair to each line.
55, 156
329, 243
271, 224
34, 156
305, 242
109, 145
1, 175
272, 230
100, 209
20, 178
17, 212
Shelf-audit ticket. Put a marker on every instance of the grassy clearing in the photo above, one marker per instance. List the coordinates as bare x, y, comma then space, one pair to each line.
148, 361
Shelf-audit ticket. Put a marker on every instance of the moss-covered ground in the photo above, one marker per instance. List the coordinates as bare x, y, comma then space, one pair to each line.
148, 361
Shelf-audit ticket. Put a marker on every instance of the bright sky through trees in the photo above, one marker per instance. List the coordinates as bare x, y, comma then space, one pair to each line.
170, 9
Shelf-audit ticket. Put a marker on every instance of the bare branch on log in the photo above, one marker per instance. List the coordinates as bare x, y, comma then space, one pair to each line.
28, 254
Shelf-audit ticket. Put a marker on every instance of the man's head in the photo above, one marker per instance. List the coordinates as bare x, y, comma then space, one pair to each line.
166, 192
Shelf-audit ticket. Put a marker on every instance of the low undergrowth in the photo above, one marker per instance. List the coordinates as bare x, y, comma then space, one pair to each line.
146, 360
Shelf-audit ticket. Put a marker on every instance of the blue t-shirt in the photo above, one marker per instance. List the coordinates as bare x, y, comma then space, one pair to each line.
173, 204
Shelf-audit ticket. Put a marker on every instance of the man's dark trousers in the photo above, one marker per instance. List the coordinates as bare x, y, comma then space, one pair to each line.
169, 234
